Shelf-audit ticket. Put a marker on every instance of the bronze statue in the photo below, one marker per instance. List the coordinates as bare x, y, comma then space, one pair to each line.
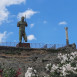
22, 24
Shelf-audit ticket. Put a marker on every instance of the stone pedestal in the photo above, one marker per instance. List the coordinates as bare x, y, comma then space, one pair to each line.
25, 45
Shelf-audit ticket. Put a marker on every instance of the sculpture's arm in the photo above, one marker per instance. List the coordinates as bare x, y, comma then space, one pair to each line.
18, 24
26, 24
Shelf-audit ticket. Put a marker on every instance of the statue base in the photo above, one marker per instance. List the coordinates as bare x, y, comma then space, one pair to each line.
25, 45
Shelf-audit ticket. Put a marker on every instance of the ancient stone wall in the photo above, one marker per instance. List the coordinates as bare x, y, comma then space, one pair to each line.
24, 58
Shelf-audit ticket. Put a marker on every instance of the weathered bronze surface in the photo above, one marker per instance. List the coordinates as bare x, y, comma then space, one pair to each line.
22, 24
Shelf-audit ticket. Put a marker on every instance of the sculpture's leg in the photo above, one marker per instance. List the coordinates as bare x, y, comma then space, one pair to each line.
20, 36
25, 37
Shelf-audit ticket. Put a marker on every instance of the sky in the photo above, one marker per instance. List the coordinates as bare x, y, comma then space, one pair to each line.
46, 20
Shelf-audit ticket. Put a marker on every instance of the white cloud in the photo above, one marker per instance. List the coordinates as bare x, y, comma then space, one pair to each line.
4, 13
10, 33
44, 22
31, 25
63, 23
4, 36
28, 13
31, 37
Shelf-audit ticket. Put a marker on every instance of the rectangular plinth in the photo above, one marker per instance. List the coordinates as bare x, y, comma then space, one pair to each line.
25, 45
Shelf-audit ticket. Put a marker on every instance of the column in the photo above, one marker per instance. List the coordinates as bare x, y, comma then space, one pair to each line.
67, 40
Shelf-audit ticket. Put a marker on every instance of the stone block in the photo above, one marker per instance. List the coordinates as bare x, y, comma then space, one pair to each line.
25, 45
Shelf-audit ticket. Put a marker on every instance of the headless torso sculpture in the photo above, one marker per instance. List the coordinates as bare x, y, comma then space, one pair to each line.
22, 24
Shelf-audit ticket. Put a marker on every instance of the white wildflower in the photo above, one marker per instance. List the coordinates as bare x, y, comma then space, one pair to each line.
47, 66
68, 67
54, 67
64, 71
71, 58
29, 72
35, 71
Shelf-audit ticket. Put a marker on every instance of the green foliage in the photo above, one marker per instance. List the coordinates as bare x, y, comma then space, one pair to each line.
67, 66
71, 74
75, 58
73, 64
49, 67
9, 72
55, 74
